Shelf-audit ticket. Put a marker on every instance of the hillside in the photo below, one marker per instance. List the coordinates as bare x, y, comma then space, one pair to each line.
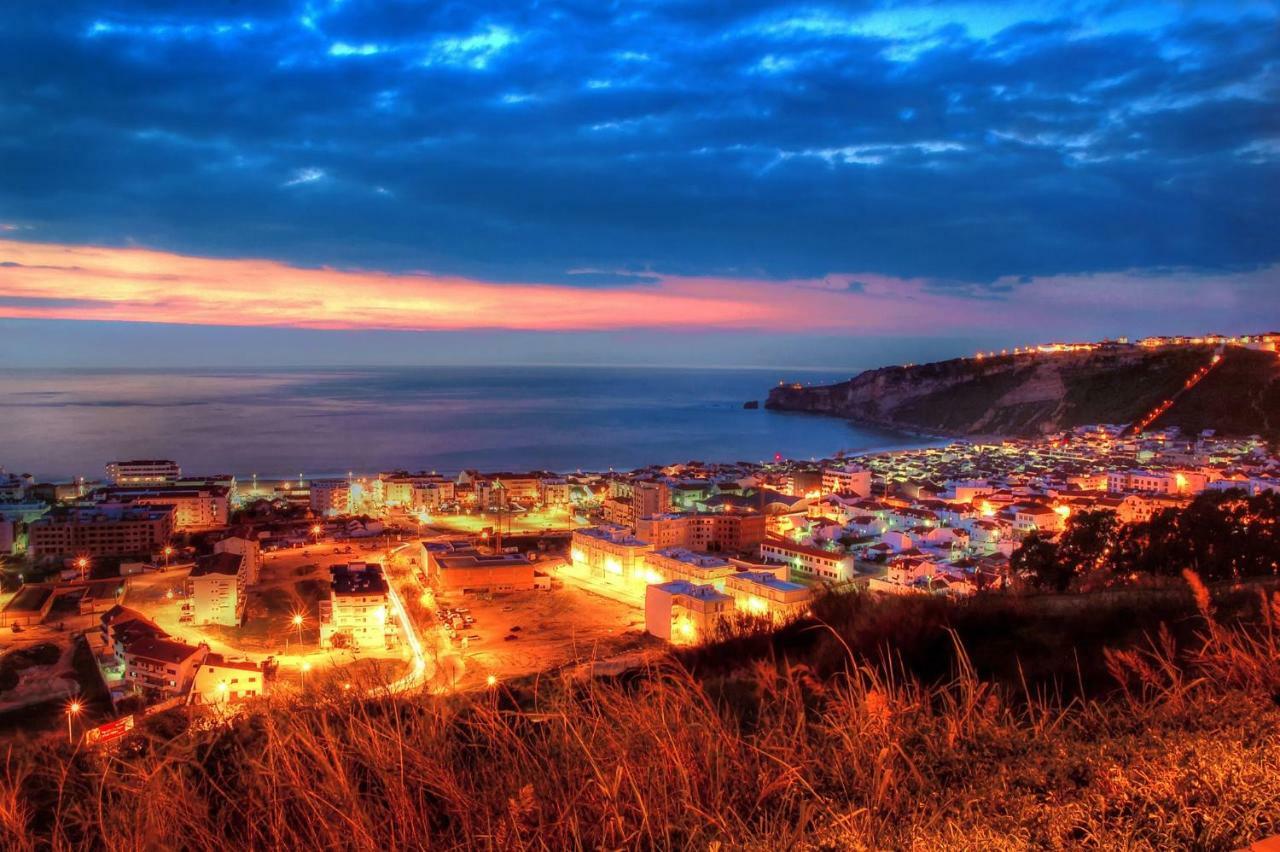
970, 735
1028, 395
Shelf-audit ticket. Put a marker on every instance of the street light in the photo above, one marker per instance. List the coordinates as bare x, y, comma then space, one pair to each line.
73, 709
82, 563
306, 667
297, 622
168, 551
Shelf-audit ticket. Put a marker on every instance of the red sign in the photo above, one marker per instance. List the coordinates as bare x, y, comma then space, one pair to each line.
110, 732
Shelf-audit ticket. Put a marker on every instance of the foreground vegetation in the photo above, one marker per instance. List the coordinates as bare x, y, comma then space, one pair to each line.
763, 741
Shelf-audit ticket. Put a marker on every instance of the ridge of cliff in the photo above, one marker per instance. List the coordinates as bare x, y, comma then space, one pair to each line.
1040, 393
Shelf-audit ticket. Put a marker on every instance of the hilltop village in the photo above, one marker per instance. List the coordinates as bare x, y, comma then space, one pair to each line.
154, 589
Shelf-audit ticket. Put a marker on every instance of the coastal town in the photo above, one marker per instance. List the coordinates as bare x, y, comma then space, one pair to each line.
155, 589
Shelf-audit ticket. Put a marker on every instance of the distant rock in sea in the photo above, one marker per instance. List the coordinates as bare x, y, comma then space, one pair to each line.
751, 404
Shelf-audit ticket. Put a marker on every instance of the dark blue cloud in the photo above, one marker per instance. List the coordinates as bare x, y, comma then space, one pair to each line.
959, 142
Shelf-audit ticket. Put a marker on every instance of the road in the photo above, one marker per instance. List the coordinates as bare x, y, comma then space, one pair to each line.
423, 669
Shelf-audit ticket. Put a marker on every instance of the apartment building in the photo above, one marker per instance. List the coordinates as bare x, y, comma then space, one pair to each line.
809, 562
847, 480
108, 530
330, 497
684, 613
193, 508
216, 590
610, 552
762, 593
143, 471
678, 563
245, 545
356, 615
716, 532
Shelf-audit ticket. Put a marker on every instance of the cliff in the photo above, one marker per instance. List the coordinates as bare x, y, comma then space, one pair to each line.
1027, 395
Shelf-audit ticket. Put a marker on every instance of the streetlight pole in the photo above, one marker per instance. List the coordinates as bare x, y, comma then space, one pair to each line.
73, 709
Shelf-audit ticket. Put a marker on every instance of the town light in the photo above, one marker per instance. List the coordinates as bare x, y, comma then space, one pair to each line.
73, 709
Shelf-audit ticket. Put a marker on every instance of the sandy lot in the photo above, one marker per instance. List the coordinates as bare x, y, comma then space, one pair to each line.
562, 626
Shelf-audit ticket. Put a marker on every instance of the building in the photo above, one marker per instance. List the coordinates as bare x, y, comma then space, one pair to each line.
193, 508
106, 530
216, 590
15, 488
762, 593
678, 563
848, 480
356, 615
684, 613
554, 491
500, 489
220, 681
469, 570
330, 497
161, 668
249, 548
811, 562
714, 532
1038, 518
1157, 482
143, 471
610, 552
650, 497
120, 626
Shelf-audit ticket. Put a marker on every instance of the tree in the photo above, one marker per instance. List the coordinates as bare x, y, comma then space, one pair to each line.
1037, 559
1087, 543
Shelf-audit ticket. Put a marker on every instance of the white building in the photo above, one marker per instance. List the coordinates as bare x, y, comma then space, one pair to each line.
219, 681
684, 613
612, 553
247, 547
848, 480
330, 497
762, 593
812, 562
677, 563
143, 471
356, 614
216, 590
554, 491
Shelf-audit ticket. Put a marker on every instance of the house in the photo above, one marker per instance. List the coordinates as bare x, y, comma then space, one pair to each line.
220, 681
159, 667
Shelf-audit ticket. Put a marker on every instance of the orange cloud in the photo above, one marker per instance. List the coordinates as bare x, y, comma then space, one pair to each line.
138, 285
49, 281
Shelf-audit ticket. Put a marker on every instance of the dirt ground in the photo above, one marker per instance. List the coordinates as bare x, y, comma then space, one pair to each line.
557, 627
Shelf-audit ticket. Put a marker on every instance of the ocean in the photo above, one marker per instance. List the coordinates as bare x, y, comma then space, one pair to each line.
281, 423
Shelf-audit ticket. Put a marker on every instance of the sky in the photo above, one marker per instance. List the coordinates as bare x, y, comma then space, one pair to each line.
726, 182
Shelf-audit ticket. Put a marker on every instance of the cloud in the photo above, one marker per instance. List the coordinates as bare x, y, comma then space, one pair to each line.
58, 282
762, 139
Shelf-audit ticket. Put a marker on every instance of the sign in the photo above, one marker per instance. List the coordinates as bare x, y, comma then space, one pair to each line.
109, 733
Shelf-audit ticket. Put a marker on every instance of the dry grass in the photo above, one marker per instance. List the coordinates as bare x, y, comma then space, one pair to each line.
1185, 754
